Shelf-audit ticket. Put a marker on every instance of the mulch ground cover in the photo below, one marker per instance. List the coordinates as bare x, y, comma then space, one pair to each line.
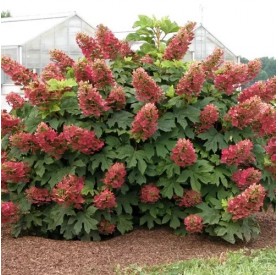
39, 256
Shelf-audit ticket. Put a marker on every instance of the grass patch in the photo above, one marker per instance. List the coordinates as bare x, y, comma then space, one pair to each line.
243, 262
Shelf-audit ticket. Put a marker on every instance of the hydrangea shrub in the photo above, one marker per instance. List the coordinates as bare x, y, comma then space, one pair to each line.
121, 138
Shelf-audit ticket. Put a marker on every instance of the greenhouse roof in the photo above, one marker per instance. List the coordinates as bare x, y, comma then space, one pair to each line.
19, 30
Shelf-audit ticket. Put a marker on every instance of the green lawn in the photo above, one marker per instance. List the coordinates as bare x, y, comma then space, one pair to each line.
243, 262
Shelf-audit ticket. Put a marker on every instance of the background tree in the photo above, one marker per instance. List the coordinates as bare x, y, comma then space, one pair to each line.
5, 14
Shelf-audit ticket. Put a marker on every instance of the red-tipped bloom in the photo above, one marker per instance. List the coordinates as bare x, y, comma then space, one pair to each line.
192, 82
246, 177
178, 45
208, 116
116, 98
37, 93
15, 100
9, 212
9, 122
239, 153
115, 176
248, 202
61, 59
18, 73
146, 88
147, 59
190, 198
183, 154
52, 71
68, 191
193, 223
15, 172
145, 122
38, 195
25, 142
212, 62
50, 141
90, 100
105, 200
149, 193
106, 227
270, 149
82, 140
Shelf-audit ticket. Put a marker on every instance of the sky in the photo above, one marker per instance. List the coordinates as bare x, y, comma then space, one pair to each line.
246, 27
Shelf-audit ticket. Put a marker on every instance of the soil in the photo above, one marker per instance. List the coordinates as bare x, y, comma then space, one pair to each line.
40, 256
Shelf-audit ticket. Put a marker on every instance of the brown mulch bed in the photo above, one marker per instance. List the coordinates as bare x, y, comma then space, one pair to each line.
39, 256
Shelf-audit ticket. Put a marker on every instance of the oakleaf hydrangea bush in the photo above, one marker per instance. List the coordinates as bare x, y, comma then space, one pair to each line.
122, 138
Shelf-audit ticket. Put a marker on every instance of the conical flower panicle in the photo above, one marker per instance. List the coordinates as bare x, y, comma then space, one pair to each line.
15, 100
116, 98
178, 45
61, 59
212, 62
145, 87
246, 177
9, 123
52, 71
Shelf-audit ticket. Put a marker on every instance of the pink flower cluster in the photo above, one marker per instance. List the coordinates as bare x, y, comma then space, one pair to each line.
145, 87
83, 70
116, 98
52, 71
15, 100
9, 122
192, 81
68, 191
265, 90
212, 62
246, 177
9, 212
253, 112
105, 200
183, 154
106, 227
89, 46
248, 202
208, 116
38, 195
18, 73
270, 149
37, 93
193, 223
178, 45
240, 153
149, 193
50, 141
82, 140
90, 100
15, 172
145, 122
61, 59
147, 59
190, 198
25, 142
115, 176
230, 76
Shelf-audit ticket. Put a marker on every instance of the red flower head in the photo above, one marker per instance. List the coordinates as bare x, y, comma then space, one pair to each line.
15, 172
24, 142
18, 73
193, 223
147, 59
248, 202
68, 191
50, 141
90, 100
178, 45
115, 176
105, 227
52, 71
9, 122
145, 122
190, 198
183, 154
146, 88
246, 177
239, 153
105, 200
38, 195
149, 193
61, 59
15, 100
9, 212
192, 82
208, 116
270, 149
116, 98
37, 93
82, 140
